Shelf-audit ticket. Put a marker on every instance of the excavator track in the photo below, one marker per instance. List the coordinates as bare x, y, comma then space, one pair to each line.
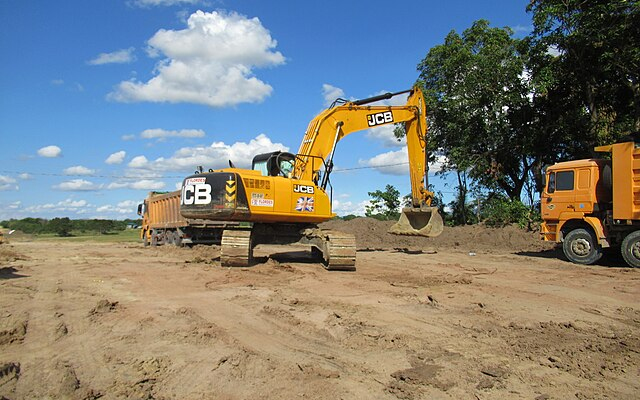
339, 251
235, 249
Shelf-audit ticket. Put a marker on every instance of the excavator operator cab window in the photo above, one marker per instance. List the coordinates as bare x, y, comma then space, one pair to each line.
274, 164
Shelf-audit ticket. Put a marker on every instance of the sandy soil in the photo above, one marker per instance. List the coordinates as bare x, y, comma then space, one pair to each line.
474, 314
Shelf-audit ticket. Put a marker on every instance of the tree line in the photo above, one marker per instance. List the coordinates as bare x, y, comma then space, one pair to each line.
501, 107
65, 226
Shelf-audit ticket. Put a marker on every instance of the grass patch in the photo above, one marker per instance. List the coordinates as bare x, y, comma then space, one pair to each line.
128, 235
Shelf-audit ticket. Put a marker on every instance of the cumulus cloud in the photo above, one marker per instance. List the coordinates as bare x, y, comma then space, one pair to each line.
139, 162
8, 183
79, 170
346, 207
390, 163
163, 133
67, 205
211, 62
154, 3
143, 184
123, 207
214, 156
384, 135
50, 152
116, 158
330, 93
397, 162
77, 185
123, 56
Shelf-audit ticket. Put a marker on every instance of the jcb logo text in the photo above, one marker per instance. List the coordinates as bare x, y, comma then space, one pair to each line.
200, 193
303, 189
380, 118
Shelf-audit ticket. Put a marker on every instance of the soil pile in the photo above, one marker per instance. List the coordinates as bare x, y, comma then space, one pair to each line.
372, 234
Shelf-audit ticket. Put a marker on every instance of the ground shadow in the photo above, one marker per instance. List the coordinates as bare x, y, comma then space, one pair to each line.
10, 273
610, 259
290, 256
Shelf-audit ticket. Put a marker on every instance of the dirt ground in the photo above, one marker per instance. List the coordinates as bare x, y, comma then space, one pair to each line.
476, 313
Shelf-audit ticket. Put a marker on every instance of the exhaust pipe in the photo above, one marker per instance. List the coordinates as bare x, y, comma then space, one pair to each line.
418, 221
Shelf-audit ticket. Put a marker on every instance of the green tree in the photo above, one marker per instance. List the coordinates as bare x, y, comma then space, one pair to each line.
384, 204
479, 101
594, 80
60, 226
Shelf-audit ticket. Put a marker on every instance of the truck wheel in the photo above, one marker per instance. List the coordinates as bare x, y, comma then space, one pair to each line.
581, 247
631, 249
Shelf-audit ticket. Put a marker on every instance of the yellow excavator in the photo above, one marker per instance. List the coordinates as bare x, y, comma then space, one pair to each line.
284, 196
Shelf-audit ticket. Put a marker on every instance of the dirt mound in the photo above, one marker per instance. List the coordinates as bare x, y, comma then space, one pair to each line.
372, 234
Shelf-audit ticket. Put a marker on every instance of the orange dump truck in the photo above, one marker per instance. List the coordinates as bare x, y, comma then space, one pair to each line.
589, 205
163, 224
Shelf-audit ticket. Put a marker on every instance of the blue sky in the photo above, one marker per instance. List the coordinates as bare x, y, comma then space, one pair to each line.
103, 101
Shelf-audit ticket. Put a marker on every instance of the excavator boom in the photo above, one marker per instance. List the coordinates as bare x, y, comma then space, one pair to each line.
332, 125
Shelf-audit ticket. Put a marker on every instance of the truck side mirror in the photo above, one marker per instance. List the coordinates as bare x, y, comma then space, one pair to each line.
139, 209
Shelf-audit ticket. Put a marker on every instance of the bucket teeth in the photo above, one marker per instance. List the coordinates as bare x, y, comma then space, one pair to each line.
425, 221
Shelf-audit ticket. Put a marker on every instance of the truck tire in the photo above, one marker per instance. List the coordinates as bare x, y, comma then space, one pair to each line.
581, 247
631, 249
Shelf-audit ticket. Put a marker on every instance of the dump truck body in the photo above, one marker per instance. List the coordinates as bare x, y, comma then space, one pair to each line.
163, 224
588, 205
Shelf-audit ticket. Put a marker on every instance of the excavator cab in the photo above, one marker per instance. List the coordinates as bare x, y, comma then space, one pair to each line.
277, 163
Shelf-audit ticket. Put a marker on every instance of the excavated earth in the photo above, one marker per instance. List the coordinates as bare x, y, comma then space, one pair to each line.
476, 313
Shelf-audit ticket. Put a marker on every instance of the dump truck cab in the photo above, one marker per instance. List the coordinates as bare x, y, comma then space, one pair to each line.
592, 204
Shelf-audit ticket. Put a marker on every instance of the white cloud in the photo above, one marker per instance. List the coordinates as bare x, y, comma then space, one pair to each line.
6, 179
123, 56
210, 62
79, 185
143, 184
139, 162
343, 208
123, 207
67, 205
331, 93
163, 133
127, 138
8, 183
116, 158
50, 152
25, 176
215, 156
79, 170
390, 163
153, 3
384, 135
397, 162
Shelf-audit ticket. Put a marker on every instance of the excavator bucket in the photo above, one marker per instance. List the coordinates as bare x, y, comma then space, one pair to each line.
419, 221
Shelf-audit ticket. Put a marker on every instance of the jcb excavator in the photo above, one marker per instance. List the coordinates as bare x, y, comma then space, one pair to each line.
285, 195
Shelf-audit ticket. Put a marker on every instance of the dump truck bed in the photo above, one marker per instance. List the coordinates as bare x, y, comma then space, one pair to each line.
164, 210
626, 179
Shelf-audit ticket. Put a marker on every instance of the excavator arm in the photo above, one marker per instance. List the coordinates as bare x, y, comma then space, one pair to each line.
315, 157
